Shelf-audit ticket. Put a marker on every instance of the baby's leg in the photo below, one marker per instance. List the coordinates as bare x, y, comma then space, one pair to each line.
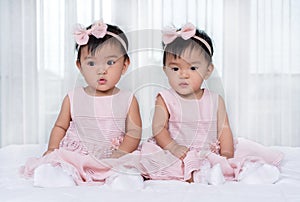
258, 173
48, 176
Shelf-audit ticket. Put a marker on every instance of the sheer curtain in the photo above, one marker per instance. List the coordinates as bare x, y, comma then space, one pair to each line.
261, 69
18, 73
256, 60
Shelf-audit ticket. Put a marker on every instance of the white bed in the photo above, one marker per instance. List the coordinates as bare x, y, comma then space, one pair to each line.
15, 188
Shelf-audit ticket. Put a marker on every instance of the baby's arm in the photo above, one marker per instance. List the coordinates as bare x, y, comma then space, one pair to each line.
161, 133
133, 131
60, 127
224, 131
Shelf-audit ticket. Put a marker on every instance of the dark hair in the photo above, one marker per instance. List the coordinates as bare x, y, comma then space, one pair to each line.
94, 43
177, 47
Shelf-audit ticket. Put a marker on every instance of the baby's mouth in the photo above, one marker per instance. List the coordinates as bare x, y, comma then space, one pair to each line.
102, 81
183, 84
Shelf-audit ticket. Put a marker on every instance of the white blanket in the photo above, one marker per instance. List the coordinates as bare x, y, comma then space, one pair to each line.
14, 188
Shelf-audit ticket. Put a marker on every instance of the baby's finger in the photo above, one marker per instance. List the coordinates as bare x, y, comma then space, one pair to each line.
183, 156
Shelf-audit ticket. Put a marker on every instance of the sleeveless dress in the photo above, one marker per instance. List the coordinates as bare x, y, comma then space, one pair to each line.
193, 123
96, 129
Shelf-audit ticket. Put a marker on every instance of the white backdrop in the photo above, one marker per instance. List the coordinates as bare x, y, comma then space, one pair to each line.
257, 60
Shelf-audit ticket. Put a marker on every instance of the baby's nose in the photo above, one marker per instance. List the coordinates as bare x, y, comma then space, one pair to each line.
183, 73
102, 69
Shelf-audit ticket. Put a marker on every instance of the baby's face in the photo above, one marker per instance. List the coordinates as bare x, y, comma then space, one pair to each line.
187, 73
103, 69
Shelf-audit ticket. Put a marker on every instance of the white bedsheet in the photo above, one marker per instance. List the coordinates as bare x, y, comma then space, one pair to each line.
14, 188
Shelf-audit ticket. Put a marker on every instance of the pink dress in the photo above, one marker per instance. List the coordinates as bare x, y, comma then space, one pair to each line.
193, 123
97, 127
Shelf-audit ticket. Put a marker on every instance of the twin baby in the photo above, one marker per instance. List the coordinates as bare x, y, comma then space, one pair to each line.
96, 137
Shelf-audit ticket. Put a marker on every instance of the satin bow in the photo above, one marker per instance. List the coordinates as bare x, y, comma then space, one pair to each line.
186, 32
99, 30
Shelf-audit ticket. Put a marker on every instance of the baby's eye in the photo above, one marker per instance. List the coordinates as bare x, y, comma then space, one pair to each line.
194, 68
110, 62
175, 69
91, 63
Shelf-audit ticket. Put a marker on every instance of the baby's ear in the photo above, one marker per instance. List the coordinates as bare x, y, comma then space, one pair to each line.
210, 69
125, 65
78, 64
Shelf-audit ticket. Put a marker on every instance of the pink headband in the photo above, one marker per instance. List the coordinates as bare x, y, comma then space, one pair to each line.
99, 30
187, 31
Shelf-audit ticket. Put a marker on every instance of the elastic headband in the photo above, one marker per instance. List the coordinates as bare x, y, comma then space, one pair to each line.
99, 30
186, 32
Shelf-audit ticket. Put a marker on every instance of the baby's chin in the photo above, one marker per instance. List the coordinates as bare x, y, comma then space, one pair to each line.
102, 90
188, 94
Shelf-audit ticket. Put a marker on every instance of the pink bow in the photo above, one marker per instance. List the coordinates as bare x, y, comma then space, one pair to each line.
81, 34
186, 32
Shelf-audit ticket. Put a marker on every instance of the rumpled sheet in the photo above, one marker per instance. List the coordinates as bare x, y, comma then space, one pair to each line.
14, 188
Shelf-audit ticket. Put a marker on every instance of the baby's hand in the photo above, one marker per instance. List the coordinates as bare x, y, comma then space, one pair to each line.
177, 150
180, 151
215, 147
117, 153
48, 152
